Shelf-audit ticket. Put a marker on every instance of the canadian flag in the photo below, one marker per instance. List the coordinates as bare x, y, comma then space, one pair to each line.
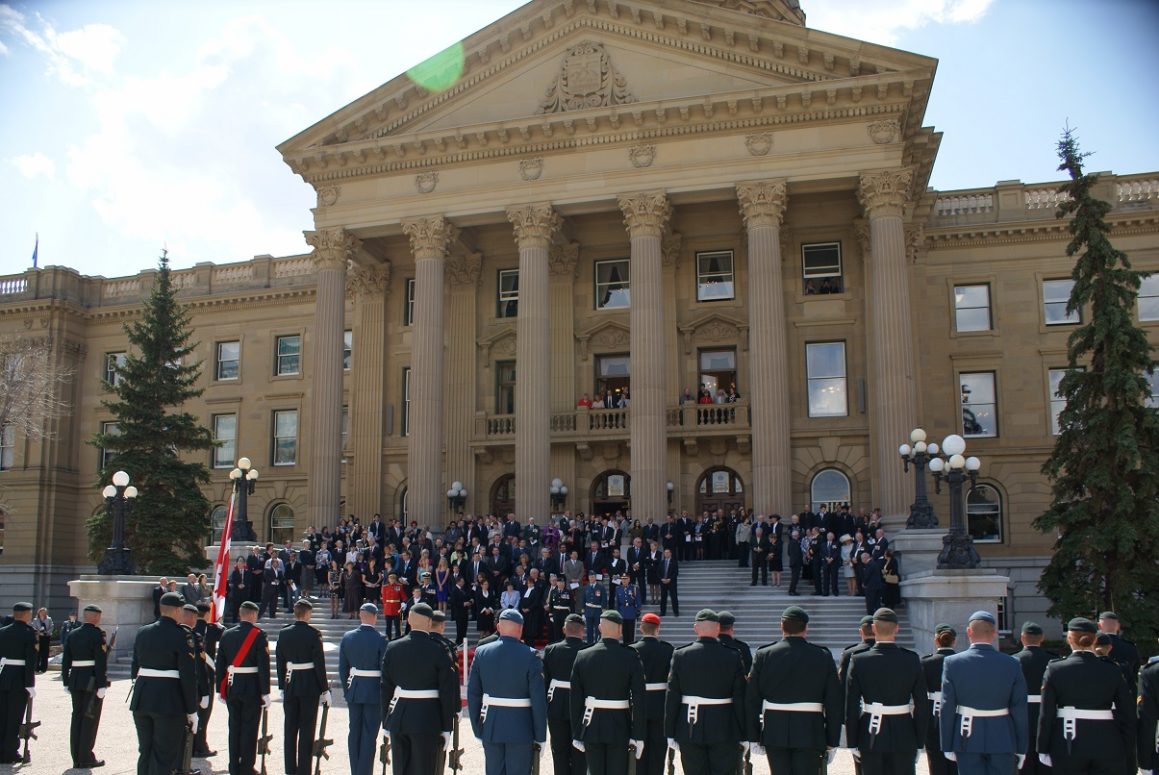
221, 566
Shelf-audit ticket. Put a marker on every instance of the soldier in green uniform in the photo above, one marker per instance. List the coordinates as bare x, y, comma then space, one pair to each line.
865, 631
243, 659
164, 690
704, 706
1123, 652
656, 655
727, 622
438, 633
1033, 660
607, 697
558, 659
944, 638
793, 703
187, 618
301, 666
83, 671
210, 635
1149, 716
17, 679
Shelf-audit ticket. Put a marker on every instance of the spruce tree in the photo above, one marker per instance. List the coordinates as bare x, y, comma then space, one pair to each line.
1104, 470
167, 526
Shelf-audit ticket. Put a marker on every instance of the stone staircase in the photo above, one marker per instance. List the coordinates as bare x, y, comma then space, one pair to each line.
716, 584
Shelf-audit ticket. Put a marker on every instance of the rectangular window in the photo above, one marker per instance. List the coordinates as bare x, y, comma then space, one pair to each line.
345, 429
972, 308
408, 312
1057, 400
715, 280
1055, 295
114, 362
228, 360
825, 370
106, 455
717, 375
505, 387
1149, 297
508, 302
821, 268
289, 355
979, 404
984, 514
612, 281
1153, 401
613, 379
347, 349
7, 447
406, 401
225, 433
285, 437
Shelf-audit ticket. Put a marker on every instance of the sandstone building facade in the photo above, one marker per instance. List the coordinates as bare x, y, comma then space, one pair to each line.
636, 198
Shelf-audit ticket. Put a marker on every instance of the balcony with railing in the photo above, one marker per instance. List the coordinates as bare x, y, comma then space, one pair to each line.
582, 423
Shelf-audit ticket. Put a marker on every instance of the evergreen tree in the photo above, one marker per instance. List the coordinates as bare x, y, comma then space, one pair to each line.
167, 526
1104, 470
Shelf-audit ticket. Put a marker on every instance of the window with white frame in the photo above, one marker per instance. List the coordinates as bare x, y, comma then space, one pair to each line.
979, 404
715, 276
825, 372
972, 308
217, 519
984, 514
7, 447
114, 363
347, 349
1055, 297
612, 284
225, 434
288, 360
408, 310
821, 269
285, 441
831, 488
228, 364
281, 524
1149, 297
507, 303
1153, 379
1057, 399
406, 401
106, 455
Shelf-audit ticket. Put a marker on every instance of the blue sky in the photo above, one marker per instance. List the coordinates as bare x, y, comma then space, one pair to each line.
132, 125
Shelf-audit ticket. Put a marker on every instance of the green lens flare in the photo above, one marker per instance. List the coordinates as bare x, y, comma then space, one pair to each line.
440, 72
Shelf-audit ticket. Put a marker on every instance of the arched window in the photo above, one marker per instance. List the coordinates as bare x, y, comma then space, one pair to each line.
281, 524
503, 496
719, 489
612, 492
217, 523
984, 513
830, 487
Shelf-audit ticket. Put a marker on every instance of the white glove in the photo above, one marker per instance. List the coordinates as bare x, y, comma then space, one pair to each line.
830, 755
638, 746
756, 749
204, 702
1147, 772
31, 692
265, 700
446, 740
327, 698
101, 693
1045, 759
1020, 760
950, 755
192, 719
578, 745
856, 754
675, 746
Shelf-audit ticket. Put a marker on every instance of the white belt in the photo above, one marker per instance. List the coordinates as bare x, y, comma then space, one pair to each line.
877, 711
502, 702
936, 699
1034, 698
556, 684
1071, 716
208, 661
357, 673
592, 704
661, 686
693, 702
411, 694
968, 715
147, 672
789, 707
4, 662
84, 663
233, 670
292, 667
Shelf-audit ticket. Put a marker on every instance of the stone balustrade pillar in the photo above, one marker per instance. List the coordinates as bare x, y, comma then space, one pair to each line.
762, 205
646, 215
534, 225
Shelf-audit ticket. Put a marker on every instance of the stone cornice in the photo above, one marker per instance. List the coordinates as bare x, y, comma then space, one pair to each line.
276, 297
762, 203
646, 214
983, 235
534, 224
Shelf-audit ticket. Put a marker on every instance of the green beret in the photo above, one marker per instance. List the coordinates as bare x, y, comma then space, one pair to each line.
1081, 624
865, 621
938, 630
190, 608
1109, 615
796, 613
726, 618
438, 616
203, 606
885, 615
172, 600
1103, 639
422, 609
707, 615
612, 616
249, 605
1032, 628
92, 608
21, 607
573, 619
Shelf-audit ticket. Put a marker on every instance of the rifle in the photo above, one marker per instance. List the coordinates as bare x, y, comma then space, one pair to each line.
455, 755
384, 752
748, 761
187, 754
321, 743
91, 686
631, 760
264, 739
26, 731
536, 752
671, 762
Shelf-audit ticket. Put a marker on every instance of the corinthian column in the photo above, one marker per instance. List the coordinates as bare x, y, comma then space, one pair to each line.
332, 248
368, 285
429, 238
534, 224
646, 216
762, 204
893, 396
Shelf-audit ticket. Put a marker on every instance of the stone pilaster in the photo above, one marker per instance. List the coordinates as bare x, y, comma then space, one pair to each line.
762, 204
534, 226
332, 249
646, 215
429, 238
369, 286
463, 272
562, 261
892, 395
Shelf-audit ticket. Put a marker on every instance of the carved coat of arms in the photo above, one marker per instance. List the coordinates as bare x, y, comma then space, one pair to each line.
586, 79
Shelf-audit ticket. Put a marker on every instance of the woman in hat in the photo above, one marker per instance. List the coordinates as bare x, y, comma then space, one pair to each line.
847, 564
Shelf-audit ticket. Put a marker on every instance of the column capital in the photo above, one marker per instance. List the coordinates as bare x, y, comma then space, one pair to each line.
762, 202
429, 236
464, 269
670, 245
332, 248
646, 214
368, 281
534, 224
885, 192
562, 259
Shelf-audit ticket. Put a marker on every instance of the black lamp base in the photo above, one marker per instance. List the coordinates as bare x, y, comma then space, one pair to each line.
117, 562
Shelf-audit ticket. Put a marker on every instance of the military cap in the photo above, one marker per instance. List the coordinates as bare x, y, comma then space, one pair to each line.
885, 615
425, 574
574, 619
612, 616
92, 608
392, 575
508, 615
865, 621
983, 616
422, 609
203, 606
1032, 628
21, 607
190, 608
796, 613
1081, 624
369, 608
304, 604
726, 618
1103, 639
249, 605
172, 600
1109, 615
650, 618
438, 616
945, 628
707, 615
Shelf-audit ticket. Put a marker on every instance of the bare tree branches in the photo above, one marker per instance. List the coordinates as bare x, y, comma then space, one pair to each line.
31, 386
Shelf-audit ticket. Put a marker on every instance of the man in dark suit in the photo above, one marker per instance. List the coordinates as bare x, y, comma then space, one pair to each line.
159, 590
638, 567
759, 547
656, 656
830, 565
273, 582
558, 659
1033, 659
727, 623
532, 607
617, 566
83, 671
244, 684
669, 571
865, 631
871, 582
796, 560
944, 638
1123, 652
301, 667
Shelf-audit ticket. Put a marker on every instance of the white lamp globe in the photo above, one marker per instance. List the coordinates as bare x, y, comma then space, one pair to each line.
937, 465
244, 463
953, 445
919, 448
973, 464
917, 434
557, 482
903, 450
462, 492
554, 489
563, 489
235, 473
456, 485
451, 493
957, 462
121, 479
933, 448
131, 491
252, 475
109, 492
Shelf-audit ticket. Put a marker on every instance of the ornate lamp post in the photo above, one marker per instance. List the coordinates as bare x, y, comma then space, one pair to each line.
119, 497
921, 512
457, 497
558, 491
244, 478
958, 550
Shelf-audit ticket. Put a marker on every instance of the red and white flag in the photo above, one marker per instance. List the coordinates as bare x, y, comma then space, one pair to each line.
221, 566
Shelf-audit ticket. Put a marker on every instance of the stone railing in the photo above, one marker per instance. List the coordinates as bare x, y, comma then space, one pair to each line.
1138, 190
293, 267
581, 422
13, 285
707, 417
966, 203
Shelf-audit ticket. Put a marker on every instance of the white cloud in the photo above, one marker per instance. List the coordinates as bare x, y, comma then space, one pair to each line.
72, 56
885, 22
34, 165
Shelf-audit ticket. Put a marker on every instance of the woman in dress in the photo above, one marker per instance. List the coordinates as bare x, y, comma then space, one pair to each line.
776, 544
42, 626
847, 564
486, 601
442, 584
371, 581
509, 598
352, 593
891, 572
334, 587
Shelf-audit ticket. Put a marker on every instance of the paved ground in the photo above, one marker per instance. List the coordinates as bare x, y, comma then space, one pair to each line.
117, 741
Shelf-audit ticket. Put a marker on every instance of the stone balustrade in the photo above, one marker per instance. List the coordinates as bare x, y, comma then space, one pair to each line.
581, 422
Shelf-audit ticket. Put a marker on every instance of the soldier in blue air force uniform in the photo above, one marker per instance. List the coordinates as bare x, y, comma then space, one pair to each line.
360, 670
